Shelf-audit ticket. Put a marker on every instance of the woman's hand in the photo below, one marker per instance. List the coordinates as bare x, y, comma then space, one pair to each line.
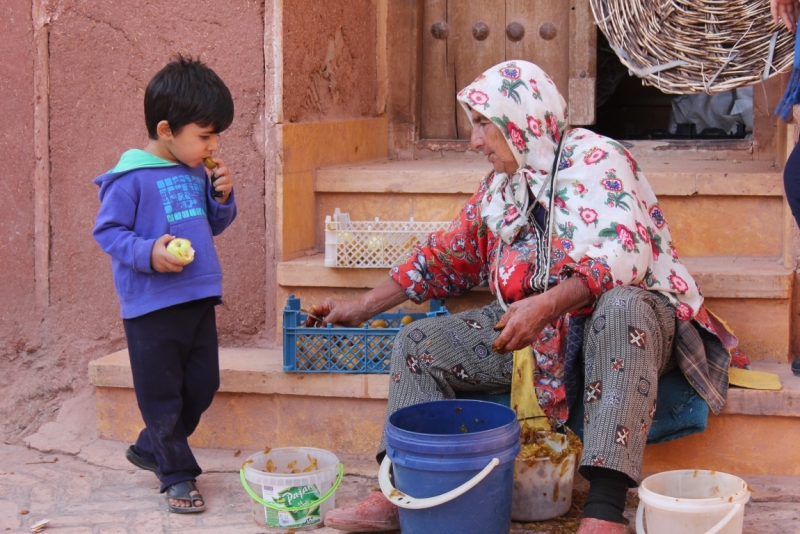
785, 10
354, 312
521, 324
338, 312
525, 319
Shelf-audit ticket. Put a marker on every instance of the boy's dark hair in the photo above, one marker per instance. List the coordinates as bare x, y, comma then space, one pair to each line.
186, 91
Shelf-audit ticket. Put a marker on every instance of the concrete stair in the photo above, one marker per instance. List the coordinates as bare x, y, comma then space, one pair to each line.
259, 405
730, 224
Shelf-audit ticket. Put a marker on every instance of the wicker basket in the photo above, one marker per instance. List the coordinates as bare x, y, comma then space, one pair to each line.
692, 46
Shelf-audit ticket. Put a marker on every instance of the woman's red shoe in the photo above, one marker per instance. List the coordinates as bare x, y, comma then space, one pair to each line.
598, 526
373, 514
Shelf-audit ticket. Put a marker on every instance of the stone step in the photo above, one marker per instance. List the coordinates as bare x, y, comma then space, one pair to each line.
259, 405
703, 200
752, 294
645, 150
719, 277
676, 177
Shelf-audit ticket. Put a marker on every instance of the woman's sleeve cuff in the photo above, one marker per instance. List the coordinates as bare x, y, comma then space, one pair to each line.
594, 274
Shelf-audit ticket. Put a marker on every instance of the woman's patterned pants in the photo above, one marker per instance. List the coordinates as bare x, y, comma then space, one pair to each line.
627, 345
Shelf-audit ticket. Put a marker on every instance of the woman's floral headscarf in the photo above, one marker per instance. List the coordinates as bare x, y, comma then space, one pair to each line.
525, 104
603, 211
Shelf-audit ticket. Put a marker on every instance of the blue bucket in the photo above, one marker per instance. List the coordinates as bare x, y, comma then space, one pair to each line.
453, 464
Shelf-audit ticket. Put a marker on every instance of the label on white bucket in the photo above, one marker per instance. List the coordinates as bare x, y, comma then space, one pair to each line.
291, 497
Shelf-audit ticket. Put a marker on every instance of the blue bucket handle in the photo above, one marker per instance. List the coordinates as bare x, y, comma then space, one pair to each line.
280, 508
406, 501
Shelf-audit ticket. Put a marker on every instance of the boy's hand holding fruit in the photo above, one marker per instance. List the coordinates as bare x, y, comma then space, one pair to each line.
171, 254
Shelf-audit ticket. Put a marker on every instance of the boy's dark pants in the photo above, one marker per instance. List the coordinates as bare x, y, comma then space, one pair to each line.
791, 182
175, 363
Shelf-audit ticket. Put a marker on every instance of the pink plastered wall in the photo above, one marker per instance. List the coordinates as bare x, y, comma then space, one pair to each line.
94, 60
101, 55
20, 326
329, 60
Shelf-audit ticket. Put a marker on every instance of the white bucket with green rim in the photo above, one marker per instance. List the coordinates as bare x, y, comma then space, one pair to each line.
298, 492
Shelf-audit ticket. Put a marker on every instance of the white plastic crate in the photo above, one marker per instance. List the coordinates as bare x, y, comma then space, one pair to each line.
366, 244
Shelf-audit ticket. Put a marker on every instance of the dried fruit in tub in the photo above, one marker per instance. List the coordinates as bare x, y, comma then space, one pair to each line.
270, 467
181, 249
534, 446
291, 464
312, 466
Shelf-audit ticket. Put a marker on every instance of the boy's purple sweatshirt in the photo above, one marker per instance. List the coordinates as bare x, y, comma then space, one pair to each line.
143, 198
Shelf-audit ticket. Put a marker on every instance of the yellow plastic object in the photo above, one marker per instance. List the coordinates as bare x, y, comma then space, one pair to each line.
745, 378
523, 393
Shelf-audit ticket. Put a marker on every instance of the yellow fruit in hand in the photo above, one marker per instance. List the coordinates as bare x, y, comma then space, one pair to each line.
181, 249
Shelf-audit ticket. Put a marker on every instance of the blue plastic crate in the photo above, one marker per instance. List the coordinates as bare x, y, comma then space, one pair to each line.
342, 350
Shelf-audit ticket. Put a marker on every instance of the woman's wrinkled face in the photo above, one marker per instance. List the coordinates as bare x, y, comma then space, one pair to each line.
487, 138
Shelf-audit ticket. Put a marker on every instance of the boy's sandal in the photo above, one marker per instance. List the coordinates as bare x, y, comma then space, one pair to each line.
182, 491
141, 463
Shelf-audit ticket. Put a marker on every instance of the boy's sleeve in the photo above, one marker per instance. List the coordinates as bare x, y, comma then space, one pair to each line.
112, 231
220, 216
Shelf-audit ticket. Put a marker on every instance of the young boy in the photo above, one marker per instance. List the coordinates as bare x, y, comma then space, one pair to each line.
151, 197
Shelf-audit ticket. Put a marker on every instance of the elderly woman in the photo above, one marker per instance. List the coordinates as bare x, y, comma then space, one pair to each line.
565, 230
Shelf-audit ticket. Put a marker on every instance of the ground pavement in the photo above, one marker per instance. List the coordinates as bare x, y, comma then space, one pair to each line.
84, 485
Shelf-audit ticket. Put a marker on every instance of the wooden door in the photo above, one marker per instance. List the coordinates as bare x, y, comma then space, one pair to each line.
463, 38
